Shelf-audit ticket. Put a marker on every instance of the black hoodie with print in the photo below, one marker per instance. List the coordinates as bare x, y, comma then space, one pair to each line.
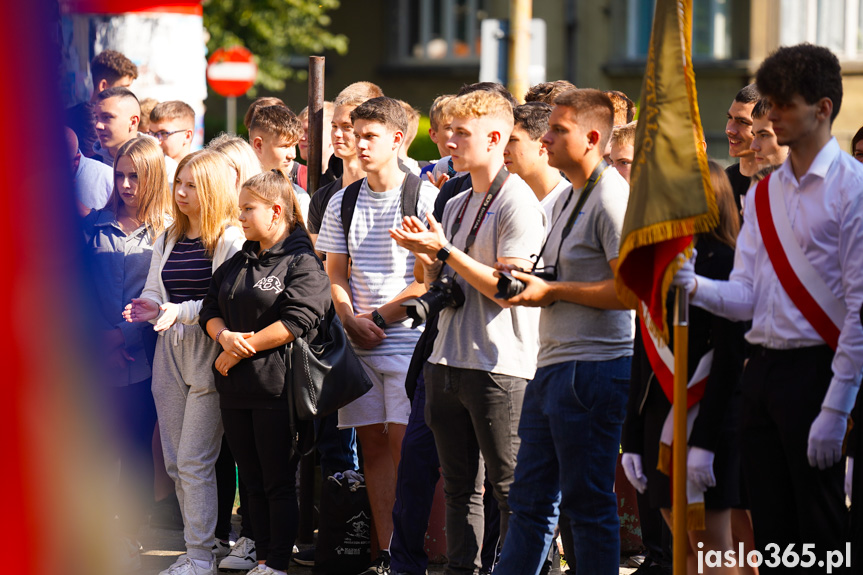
286, 283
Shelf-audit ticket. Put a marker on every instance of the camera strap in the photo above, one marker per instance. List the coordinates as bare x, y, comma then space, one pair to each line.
490, 195
570, 223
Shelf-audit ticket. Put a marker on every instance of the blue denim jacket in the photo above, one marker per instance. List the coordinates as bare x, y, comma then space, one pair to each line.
118, 267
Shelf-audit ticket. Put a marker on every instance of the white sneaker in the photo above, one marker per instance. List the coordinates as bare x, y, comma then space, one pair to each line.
262, 569
221, 549
128, 555
242, 556
186, 566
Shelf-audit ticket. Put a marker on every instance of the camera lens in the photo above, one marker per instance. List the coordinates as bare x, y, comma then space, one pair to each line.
508, 287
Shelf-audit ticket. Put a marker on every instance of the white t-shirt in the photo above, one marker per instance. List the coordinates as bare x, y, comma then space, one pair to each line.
548, 201
380, 269
480, 334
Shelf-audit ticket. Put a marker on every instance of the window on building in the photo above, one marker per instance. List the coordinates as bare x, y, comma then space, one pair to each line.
711, 29
835, 24
431, 32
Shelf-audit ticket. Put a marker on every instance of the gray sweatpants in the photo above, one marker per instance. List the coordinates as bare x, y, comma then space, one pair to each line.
191, 426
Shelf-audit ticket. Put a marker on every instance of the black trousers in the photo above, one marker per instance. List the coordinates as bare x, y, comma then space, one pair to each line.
226, 487
791, 501
260, 440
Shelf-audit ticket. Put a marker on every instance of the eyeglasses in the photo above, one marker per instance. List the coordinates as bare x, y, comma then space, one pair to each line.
163, 135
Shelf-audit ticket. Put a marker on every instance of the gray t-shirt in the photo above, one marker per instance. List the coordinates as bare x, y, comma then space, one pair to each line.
480, 334
570, 331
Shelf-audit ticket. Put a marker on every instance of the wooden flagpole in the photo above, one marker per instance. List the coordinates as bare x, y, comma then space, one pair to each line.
678, 502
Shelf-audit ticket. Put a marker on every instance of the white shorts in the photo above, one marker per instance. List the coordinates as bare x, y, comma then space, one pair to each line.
386, 401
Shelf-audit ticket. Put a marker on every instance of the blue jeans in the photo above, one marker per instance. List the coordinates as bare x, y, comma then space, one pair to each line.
570, 437
338, 447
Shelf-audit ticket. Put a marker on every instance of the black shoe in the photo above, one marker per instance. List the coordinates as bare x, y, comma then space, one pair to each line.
650, 568
305, 557
380, 566
166, 514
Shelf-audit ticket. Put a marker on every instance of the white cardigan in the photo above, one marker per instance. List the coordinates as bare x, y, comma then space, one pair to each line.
230, 243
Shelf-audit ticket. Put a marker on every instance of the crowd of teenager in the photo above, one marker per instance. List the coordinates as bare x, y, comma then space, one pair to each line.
527, 381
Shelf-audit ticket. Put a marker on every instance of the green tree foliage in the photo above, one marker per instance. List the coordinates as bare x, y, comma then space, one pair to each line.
274, 30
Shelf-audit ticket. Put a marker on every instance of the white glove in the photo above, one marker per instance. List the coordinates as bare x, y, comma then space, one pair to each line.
699, 468
631, 463
825, 438
849, 476
685, 276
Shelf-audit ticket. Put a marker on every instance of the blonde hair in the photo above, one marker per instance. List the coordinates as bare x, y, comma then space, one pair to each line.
328, 108
274, 187
217, 196
357, 93
154, 197
729, 218
147, 106
624, 135
436, 115
480, 104
240, 154
413, 123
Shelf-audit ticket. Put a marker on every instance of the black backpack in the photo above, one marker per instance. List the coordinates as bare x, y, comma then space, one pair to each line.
410, 199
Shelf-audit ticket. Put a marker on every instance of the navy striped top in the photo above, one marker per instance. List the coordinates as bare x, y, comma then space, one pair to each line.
187, 271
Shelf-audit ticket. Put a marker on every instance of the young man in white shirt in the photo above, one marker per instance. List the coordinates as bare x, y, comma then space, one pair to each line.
574, 406
525, 154
371, 276
803, 373
485, 351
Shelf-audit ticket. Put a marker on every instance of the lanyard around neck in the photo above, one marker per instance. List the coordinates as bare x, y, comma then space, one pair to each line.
570, 222
490, 195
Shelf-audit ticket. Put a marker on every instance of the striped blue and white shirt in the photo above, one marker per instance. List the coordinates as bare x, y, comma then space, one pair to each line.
380, 269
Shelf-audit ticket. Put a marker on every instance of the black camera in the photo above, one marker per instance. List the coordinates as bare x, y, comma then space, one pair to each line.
443, 293
509, 286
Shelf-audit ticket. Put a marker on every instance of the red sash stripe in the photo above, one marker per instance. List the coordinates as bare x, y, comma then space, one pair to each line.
792, 285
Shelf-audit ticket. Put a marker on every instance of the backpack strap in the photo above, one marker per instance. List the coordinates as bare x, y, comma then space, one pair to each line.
410, 200
349, 204
411, 195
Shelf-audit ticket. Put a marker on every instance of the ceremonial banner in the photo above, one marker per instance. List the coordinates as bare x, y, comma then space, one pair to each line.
671, 197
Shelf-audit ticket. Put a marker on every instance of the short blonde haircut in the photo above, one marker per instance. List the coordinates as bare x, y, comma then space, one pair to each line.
147, 106
624, 135
154, 196
413, 123
437, 119
480, 104
329, 109
241, 155
357, 93
217, 196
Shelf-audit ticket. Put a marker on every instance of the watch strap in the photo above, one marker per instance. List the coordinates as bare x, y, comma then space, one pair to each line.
378, 319
444, 252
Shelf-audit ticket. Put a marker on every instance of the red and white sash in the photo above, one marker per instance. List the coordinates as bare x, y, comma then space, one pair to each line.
661, 360
800, 280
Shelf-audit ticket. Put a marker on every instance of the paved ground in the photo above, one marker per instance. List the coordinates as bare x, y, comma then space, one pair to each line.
161, 548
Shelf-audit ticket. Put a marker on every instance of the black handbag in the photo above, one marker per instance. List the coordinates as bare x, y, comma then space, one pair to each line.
326, 374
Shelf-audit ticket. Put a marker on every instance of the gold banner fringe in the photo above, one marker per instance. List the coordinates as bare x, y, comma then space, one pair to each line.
664, 463
695, 517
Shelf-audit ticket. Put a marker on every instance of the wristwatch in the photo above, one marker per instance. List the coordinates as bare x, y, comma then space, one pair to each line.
378, 319
443, 253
